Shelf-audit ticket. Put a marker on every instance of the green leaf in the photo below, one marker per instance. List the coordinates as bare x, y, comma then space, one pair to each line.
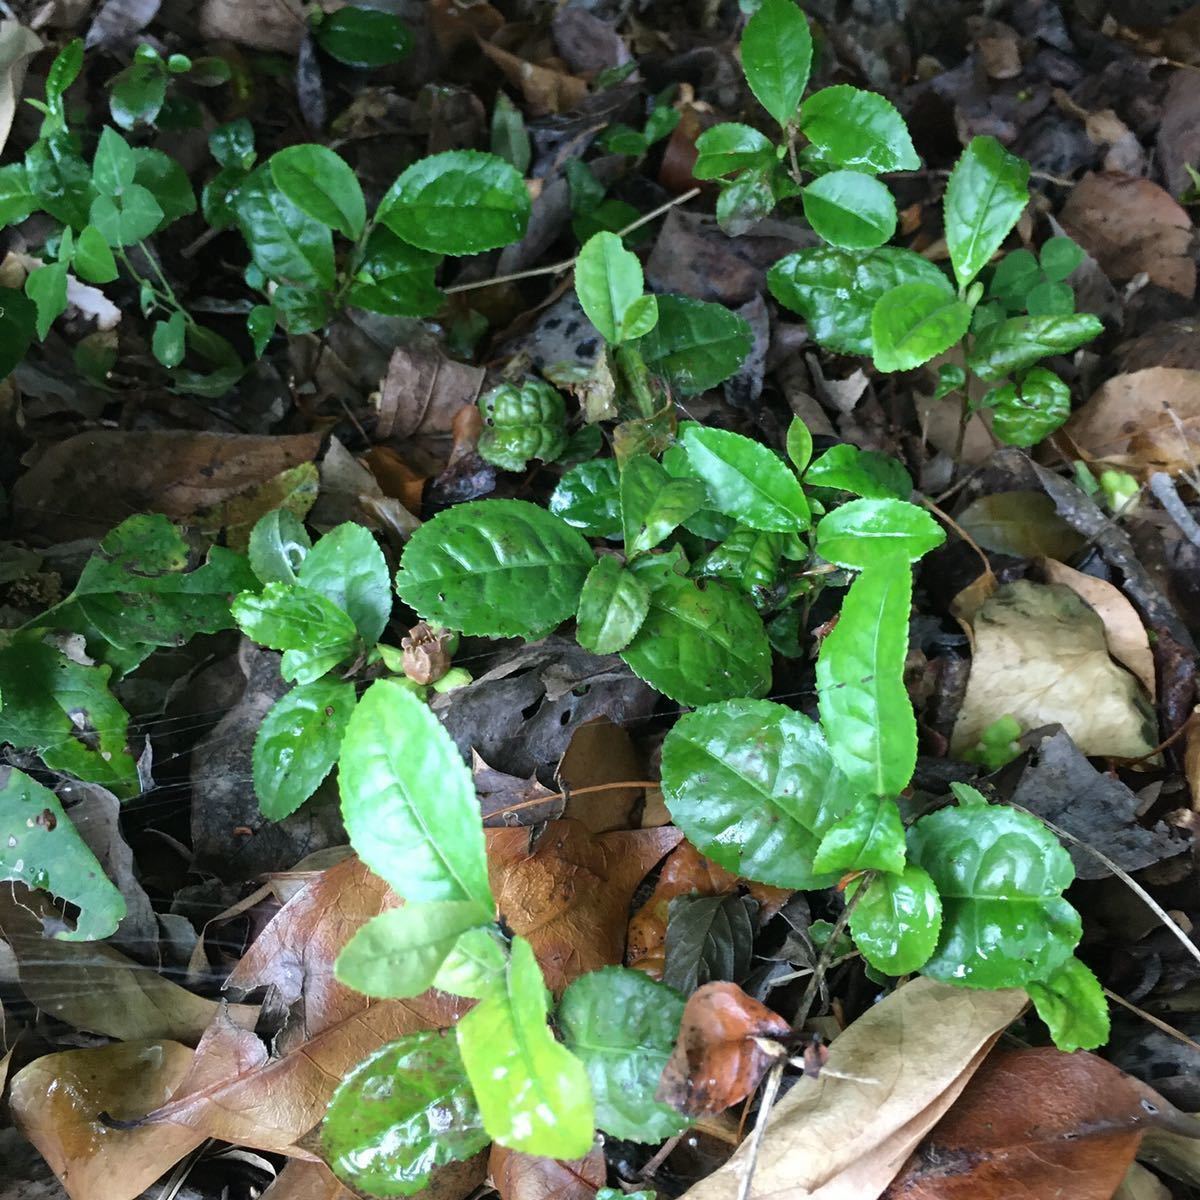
753, 787
1001, 875
700, 644
347, 567
475, 965
137, 94
866, 473
914, 322
836, 290
534, 1093
609, 284
314, 631
799, 444
136, 216
865, 710
708, 938
166, 181
47, 288
64, 70
1019, 342
520, 422
286, 243
1015, 275
319, 183
847, 127
397, 954
950, 378
850, 210
457, 202
409, 802
40, 847
16, 200
278, 544
1072, 1004
731, 147
60, 179
749, 557
896, 923
864, 532
300, 309
622, 1025
653, 504
232, 144
363, 37
746, 480
777, 57
1059, 258
167, 341
260, 324
870, 837
18, 323
93, 259
1050, 300
114, 165
400, 1113
587, 498
509, 137
395, 278
986, 194
298, 743
695, 345
743, 202
494, 568
612, 607
1023, 416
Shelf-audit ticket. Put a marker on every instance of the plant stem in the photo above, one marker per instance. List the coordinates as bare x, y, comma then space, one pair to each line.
633, 371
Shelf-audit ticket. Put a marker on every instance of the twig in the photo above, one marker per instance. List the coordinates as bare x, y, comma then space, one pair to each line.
1164, 492
962, 533
1151, 1019
583, 791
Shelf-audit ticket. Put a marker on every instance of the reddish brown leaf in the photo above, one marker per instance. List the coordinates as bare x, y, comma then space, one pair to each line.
527, 1177
601, 752
716, 1061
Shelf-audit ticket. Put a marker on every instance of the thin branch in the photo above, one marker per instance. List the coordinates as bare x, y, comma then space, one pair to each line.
1151, 1019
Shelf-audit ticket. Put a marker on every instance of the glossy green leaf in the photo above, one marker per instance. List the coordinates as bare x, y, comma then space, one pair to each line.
494, 568
137, 93
870, 837
400, 1113
896, 923
866, 473
166, 181
1022, 416
286, 243
522, 421
534, 1094
609, 284
1019, 342
409, 802
730, 147
475, 965
114, 164
864, 532
301, 310
915, 322
363, 37
1059, 257
16, 200
40, 847
168, 339
347, 567
1001, 875
64, 70
278, 544
986, 194
18, 324
298, 743
749, 557
850, 209
232, 144
94, 262
799, 444
622, 1025
47, 288
847, 127
753, 786
509, 137
457, 202
587, 498
60, 179
709, 938
695, 345
1071, 1002
744, 201
395, 278
865, 710
653, 504
777, 57
315, 632
321, 184
612, 607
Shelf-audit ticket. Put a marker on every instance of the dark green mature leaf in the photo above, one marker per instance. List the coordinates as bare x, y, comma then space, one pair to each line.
587, 498
278, 545
870, 837
653, 504
16, 200
1059, 257
286, 243
457, 202
347, 567
987, 193
408, 800
494, 568
777, 57
363, 37
18, 324
1001, 875
166, 181
695, 345
749, 557
522, 421
315, 633
700, 644
40, 847
731, 147
752, 785
1019, 342
915, 322
896, 922
320, 183
612, 607
850, 209
400, 1113
1022, 416
1072, 1004
864, 532
709, 938
836, 290
847, 127
866, 473
232, 144
60, 179
298, 743
610, 287
395, 278
864, 705
622, 1025
47, 288
533, 1092
137, 93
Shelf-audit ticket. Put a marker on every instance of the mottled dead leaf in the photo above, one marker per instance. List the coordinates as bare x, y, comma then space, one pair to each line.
1023, 524
422, 392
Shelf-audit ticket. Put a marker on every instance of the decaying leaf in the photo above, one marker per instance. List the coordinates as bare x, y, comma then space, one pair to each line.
511, 800
519, 1176
263, 24
546, 90
1023, 524
422, 392
18, 44
601, 752
300, 1180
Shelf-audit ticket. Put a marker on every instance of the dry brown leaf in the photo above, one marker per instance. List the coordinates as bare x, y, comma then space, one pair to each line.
511, 800
1191, 757
569, 893
545, 89
1145, 421
1179, 130
294, 490
422, 392
601, 752
263, 24
1041, 657
17, 46
717, 1062
1023, 524
301, 1180
395, 477
889, 1078
56, 1101
350, 492
519, 1176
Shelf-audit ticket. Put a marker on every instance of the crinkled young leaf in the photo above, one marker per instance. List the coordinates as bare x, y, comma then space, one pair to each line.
588, 498
896, 922
864, 532
695, 345
400, 1113
653, 504
777, 57
1019, 342
298, 743
520, 422
409, 802
1001, 875
278, 545
730, 147
232, 144
848, 127
622, 1025
609, 284
1022, 416
534, 1094
40, 847
850, 209
313, 631
494, 568
1072, 1004
321, 184
395, 278
986, 194
360, 36
865, 710
914, 322
457, 202
752, 785
286, 243
870, 837
700, 644
866, 473
348, 567
612, 607
749, 557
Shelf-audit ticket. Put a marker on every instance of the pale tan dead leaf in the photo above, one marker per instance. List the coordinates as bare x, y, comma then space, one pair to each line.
940, 419
889, 1078
1141, 1184
546, 90
17, 46
1041, 657
601, 752
263, 24
1145, 421
350, 492
301, 1180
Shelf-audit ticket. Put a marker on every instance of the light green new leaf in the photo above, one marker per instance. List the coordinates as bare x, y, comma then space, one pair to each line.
799, 444
1059, 257
135, 215
1071, 1002
695, 345
168, 340
609, 284
47, 288
534, 1094
588, 498
347, 567
864, 532
622, 1025
653, 504
752, 785
475, 965
896, 922
409, 802
278, 544
914, 322
866, 473
847, 127
1019, 342
321, 184
114, 164
850, 209
777, 57
986, 194
286, 243
40, 847
94, 260
868, 838
731, 147
612, 607
17, 201
313, 631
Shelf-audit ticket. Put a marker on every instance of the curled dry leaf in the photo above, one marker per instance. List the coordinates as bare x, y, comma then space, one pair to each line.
717, 1060
546, 90
421, 393
519, 1176
1035, 1123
